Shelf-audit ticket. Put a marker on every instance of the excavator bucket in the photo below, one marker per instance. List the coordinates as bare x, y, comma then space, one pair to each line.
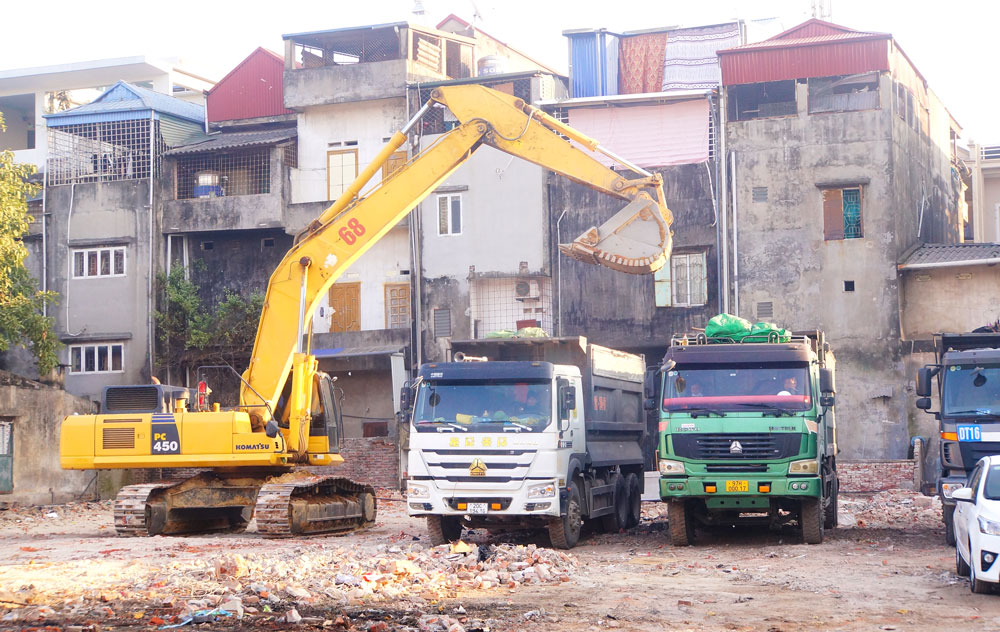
637, 240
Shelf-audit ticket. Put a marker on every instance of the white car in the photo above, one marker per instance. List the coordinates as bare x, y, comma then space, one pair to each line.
977, 526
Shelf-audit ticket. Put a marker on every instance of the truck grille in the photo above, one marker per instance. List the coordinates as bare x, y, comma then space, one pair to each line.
755, 446
119, 438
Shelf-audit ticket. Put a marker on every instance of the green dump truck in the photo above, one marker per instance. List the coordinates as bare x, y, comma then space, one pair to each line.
747, 432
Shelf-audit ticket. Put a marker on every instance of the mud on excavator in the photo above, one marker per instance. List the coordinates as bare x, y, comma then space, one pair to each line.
256, 453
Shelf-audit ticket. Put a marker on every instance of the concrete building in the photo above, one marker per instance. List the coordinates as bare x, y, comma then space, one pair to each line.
97, 242
28, 94
842, 160
984, 162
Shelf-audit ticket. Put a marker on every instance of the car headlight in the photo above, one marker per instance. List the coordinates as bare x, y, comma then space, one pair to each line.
417, 491
671, 468
989, 527
806, 466
548, 490
949, 488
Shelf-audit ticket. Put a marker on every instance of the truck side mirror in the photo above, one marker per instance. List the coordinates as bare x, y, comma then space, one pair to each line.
649, 384
924, 403
649, 403
406, 397
827, 400
567, 400
924, 377
827, 383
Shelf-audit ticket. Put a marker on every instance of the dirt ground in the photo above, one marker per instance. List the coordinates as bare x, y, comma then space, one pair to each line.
886, 569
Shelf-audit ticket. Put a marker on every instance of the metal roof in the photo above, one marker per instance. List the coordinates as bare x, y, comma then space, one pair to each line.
951, 255
806, 41
234, 140
355, 352
124, 101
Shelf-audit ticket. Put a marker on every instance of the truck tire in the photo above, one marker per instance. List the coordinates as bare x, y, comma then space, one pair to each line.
564, 532
680, 523
948, 515
444, 529
830, 513
616, 520
634, 500
811, 520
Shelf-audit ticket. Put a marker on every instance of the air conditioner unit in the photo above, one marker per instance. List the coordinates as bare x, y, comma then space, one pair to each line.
526, 290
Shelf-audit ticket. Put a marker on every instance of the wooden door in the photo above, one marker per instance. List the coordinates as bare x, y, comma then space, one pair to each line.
345, 301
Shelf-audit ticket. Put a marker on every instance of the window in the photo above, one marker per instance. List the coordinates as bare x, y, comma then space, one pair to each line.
99, 262
844, 94
395, 161
449, 214
177, 253
442, 322
842, 213
397, 305
97, 358
375, 429
341, 170
762, 100
690, 283
848, 286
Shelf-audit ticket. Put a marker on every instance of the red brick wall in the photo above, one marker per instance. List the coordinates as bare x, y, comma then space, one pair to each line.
876, 476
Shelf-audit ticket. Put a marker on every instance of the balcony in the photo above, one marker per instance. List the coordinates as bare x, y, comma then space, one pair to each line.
374, 62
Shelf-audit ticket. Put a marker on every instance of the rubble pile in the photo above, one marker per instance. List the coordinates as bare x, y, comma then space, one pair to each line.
892, 509
283, 583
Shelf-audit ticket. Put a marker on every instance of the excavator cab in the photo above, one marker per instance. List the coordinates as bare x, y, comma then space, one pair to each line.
327, 419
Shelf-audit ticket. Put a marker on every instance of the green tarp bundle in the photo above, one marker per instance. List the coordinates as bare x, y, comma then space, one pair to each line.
725, 327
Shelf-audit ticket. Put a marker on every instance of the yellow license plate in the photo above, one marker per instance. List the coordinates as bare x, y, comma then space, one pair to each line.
737, 486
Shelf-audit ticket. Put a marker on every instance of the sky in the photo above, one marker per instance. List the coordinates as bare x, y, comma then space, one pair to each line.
949, 42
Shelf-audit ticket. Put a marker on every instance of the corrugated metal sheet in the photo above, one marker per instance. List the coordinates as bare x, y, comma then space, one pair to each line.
648, 135
125, 97
803, 61
233, 140
951, 253
593, 63
253, 89
176, 131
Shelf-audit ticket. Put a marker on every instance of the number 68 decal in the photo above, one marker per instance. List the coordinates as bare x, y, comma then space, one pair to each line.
351, 231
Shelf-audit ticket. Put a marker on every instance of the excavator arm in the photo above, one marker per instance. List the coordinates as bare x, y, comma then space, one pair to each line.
636, 240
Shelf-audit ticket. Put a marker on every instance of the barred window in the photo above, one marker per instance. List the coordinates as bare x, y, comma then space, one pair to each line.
690, 283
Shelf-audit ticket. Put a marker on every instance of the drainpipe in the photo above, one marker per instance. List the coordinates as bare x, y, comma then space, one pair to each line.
416, 278
149, 272
723, 196
736, 238
559, 331
45, 252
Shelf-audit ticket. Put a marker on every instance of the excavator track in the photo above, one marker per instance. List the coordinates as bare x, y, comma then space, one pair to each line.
130, 507
300, 503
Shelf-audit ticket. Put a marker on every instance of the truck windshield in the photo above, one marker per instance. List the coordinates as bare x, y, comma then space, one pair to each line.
744, 387
972, 389
496, 406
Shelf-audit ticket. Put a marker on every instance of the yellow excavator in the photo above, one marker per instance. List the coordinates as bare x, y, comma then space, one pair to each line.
255, 454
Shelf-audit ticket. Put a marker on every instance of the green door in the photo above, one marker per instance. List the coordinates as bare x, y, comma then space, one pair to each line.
6, 457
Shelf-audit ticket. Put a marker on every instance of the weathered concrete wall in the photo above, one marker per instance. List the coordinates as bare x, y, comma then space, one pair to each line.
784, 259
107, 309
319, 127
949, 300
619, 310
237, 261
351, 83
37, 412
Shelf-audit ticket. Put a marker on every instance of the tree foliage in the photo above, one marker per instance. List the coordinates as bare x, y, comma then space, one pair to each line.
190, 333
21, 302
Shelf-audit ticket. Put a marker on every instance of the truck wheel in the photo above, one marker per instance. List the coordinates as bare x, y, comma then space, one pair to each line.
564, 532
680, 523
634, 501
830, 514
444, 529
615, 521
811, 520
948, 515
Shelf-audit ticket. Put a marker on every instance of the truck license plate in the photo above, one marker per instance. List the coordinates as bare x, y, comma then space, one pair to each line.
478, 508
970, 433
737, 486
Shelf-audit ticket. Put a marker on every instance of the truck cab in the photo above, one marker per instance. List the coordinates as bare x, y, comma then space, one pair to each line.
747, 434
968, 379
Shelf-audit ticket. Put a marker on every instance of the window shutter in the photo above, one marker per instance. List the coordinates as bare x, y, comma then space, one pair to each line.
443, 215
697, 279
833, 214
442, 323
